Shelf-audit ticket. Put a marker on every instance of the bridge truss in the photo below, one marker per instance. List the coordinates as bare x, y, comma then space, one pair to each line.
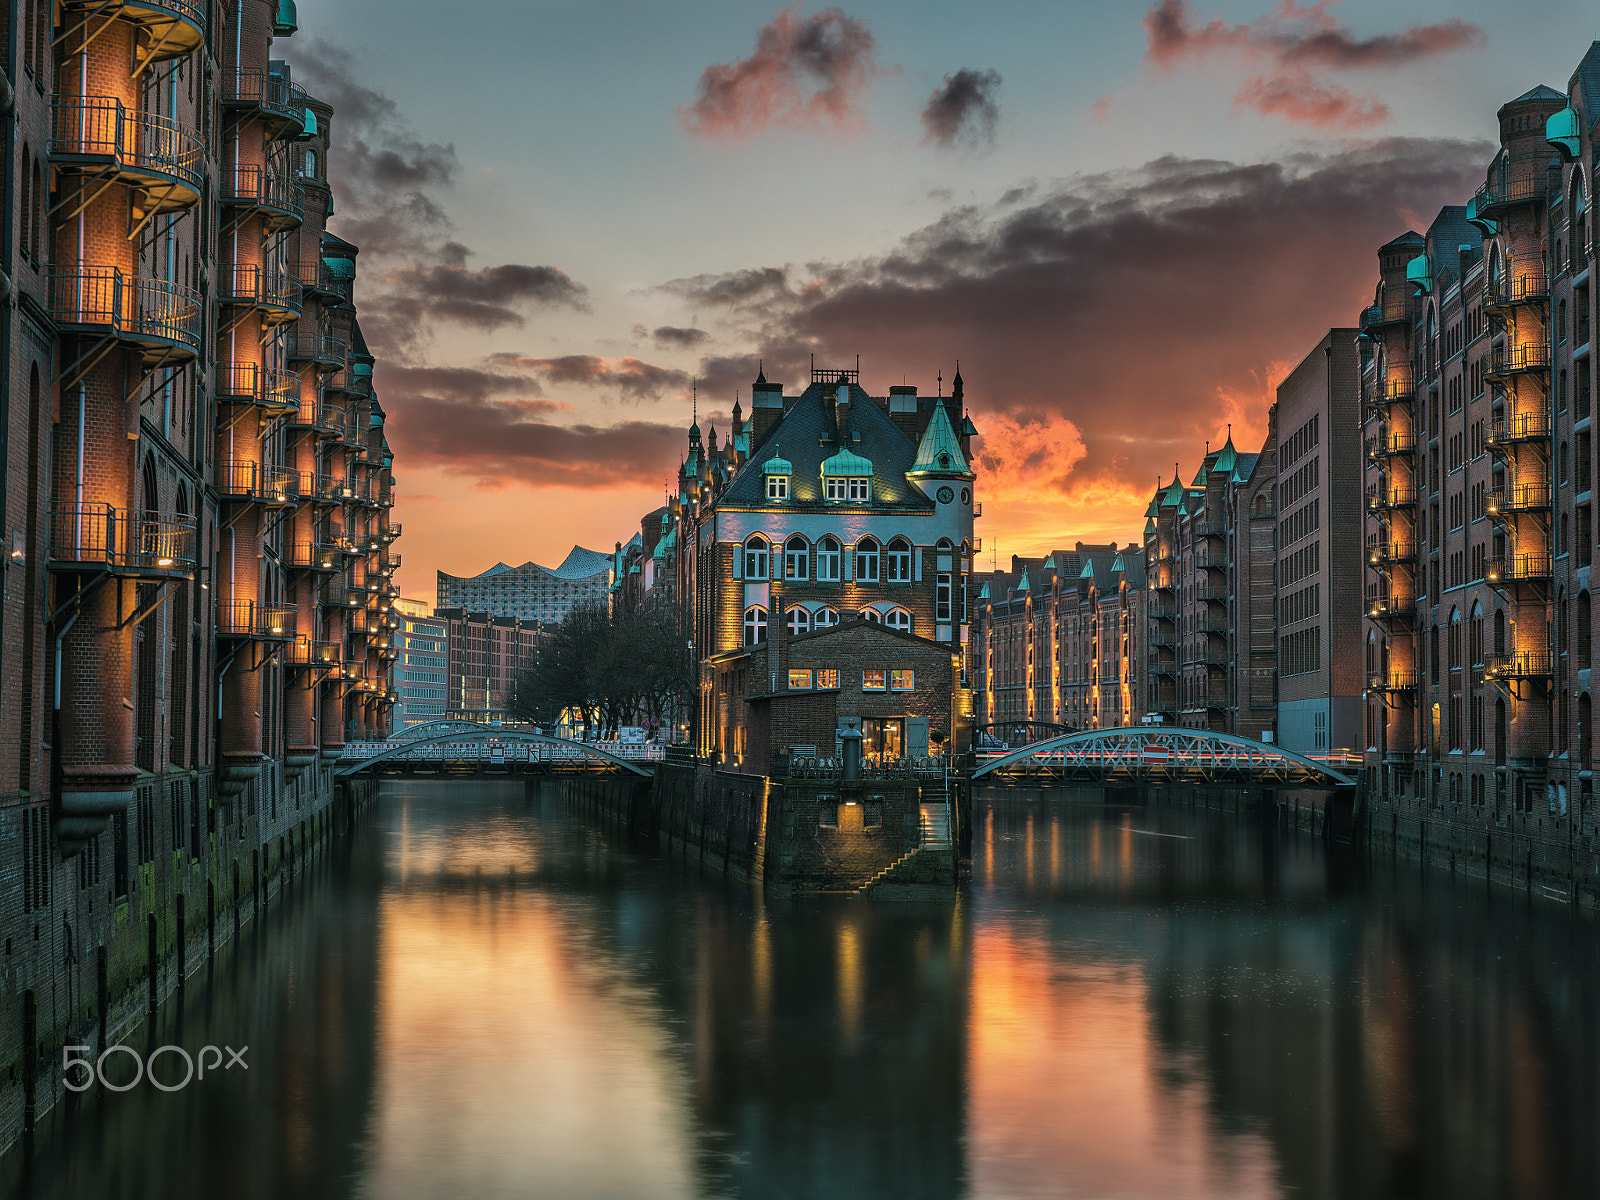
467, 747
1164, 754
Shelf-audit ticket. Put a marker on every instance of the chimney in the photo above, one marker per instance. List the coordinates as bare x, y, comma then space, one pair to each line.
766, 410
841, 413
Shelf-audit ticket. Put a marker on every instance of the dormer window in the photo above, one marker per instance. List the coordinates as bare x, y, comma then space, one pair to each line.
847, 478
777, 470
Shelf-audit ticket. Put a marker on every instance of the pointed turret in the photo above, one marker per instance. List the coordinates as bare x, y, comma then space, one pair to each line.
939, 453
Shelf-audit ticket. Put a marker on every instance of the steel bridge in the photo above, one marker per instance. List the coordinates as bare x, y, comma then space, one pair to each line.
1013, 734
469, 747
1163, 754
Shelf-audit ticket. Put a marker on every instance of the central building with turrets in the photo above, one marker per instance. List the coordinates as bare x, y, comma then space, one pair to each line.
825, 564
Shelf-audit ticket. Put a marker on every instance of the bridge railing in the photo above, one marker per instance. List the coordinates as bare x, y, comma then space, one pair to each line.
895, 768
496, 752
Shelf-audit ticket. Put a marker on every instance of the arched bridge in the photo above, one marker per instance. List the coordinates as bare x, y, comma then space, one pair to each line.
1161, 754
463, 747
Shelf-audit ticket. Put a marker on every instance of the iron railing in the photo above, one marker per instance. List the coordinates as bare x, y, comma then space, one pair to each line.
247, 185
1520, 665
1392, 498
1513, 360
248, 285
130, 306
1518, 497
1523, 427
1505, 188
252, 383
320, 349
123, 539
266, 91
1523, 287
1394, 681
314, 556
139, 143
1513, 568
253, 619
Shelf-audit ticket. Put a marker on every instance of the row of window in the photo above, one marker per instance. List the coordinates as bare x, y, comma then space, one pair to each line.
852, 489
799, 620
760, 559
873, 679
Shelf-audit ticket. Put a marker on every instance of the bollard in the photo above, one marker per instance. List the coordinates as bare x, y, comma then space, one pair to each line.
851, 739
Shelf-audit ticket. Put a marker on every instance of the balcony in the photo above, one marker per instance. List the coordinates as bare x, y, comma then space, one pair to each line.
392, 532
274, 294
279, 200
314, 556
1391, 311
252, 483
1518, 498
1211, 593
1519, 568
1385, 606
1399, 390
331, 489
1162, 669
162, 319
1532, 665
1394, 682
322, 281
252, 383
163, 157
1159, 612
1525, 287
1508, 189
167, 29
1523, 427
327, 654
265, 95
1386, 554
1210, 560
123, 541
1392, 498
319, 416
253, 621
1517, 360
326, 353
1394, 445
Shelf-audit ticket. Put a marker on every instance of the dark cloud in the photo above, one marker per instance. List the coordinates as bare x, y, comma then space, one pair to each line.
485, 299
631, 378
676, 337
1293, 44
963, 110
1141, 307
806, 73
734, 288
387, 182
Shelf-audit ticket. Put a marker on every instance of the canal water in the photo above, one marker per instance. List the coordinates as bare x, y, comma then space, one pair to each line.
482, 996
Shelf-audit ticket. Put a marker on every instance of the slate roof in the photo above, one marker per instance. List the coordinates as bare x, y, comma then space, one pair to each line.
1587, 81
809, 435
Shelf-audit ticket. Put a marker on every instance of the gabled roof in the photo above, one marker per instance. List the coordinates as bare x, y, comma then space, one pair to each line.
1022, 584
809, 436
1586, 82
1173, 496
940, 451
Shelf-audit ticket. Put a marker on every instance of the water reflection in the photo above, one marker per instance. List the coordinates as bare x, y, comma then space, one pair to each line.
490, 998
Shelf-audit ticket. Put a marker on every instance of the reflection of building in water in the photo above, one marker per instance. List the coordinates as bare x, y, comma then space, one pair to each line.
1381, 1037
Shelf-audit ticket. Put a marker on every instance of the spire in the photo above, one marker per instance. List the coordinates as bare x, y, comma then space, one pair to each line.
694, 409
939, 452
761, 370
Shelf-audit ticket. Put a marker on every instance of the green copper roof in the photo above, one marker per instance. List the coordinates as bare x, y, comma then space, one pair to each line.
1022, 585
1227, 458
983, 592
1117, 564
939, 452
1561, 131
778, 466
846, 463
1155, 506
1149, 527
1173, 496
1419, 272
287, 20
1200, 476
1049, 563
308, 126
1088, 570
340, 268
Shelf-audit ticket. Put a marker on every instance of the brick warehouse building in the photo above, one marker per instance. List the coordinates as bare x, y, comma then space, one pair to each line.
197, 490
1479, 393
824, 508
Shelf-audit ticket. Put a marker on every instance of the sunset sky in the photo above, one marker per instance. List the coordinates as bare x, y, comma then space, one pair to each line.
1127, 220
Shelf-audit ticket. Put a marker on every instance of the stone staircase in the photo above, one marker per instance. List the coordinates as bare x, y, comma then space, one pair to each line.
935, 827
936, 844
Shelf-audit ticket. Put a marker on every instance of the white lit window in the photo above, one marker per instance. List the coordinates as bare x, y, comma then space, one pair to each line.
860, 489
899, 561
866, 561
755, 558
941, 598
872, 679
900, 619
902, 681
755, 625
871, 614
825, 617
836, 489
796, 558
777, 487
828, 677
828, 559
798, 620
799, 679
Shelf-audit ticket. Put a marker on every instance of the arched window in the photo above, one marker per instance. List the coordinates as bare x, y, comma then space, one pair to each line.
798, 621
824, 617
755, 557
1455, 639
898, 556
40, 201
828, 560
311, 164
27, 200
1583, 637
796, 558
755, 625
866, 561
870, 614
900, 619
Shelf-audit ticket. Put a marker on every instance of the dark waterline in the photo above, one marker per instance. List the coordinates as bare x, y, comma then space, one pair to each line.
481, 996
